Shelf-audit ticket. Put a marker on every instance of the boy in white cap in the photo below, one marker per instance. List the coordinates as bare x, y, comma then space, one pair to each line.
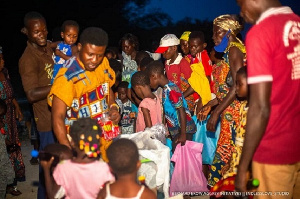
177, 68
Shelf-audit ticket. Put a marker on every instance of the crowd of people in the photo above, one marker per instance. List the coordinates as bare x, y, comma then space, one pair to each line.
239, 100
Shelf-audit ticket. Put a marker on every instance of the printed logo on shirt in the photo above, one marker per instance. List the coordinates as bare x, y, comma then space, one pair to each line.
291, 34
95, 108
49, 70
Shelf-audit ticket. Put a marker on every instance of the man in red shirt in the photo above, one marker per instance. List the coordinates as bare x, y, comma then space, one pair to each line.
272, 133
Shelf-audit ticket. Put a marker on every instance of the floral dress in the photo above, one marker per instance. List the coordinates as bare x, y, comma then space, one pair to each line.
13, 147
229, 117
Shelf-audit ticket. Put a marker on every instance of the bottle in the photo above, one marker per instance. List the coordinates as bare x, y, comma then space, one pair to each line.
142, 180
252, 184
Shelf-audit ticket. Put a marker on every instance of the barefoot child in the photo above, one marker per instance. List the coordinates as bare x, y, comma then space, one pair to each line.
150, 108
124, 162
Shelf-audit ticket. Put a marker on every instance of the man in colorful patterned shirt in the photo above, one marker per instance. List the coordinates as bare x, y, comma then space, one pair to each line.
82, 87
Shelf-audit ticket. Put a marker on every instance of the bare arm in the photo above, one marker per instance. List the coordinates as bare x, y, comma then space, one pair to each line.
38, 93
236, 62
257, 120
58, 114
182, 121
188, 92
61, 54
113, 111
51, 186
74, 49
19, 113
147, 117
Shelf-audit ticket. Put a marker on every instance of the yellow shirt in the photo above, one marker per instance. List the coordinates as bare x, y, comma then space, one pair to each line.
86, 93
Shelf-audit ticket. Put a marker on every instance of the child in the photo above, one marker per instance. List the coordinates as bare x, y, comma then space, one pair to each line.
184, 44
150, 108
124, 162
230, 169
7, 173
177, 68
128, 116
117, 67
201, 67
178, 117
60, 152
66, 49
84, 175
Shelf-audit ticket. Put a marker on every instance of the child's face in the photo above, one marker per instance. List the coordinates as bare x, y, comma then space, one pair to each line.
37, 32
184, 45
241, 86
196, 46
154, 81
70, 35
169, 54
122, 94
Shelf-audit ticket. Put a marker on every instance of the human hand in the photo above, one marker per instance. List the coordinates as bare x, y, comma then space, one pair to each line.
19, 114
203, 112
181, 139
212, 121
47, 164
240, 181
114, 115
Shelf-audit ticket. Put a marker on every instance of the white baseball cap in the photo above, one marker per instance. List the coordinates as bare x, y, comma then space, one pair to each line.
167, 41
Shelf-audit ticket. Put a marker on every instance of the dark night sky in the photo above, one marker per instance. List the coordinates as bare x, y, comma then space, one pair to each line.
105, 14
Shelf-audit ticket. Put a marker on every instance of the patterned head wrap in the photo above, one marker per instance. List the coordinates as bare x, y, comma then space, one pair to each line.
227, 22
185, 35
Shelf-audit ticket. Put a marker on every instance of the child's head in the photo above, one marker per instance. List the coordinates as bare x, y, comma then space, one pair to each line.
144, 63
140, 83
85, 134
196, 42
241, 83
69, 32
184, 42
215, 56
35, 29
168, 46
110, 54
123, 157
122, 91
59, 150
156, 72
140, 56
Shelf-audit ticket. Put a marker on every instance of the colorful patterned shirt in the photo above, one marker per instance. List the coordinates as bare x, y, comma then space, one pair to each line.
172, 100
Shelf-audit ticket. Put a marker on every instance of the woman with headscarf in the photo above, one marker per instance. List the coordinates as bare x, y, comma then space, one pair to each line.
12, 138
226, 107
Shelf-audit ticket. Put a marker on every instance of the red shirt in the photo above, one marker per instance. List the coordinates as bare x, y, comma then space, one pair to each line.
180, 67
273, 55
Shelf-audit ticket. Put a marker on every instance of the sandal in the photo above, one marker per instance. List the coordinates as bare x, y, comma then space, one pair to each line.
13, 191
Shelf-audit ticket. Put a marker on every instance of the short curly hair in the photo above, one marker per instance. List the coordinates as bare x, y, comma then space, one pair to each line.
95, 36
69, 23
140, 78
122, 156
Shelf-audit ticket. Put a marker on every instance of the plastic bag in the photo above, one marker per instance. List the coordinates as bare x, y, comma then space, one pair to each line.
207, 138
188, 175
150, 143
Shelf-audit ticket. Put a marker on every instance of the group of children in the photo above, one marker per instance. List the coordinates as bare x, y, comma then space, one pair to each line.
172, 92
